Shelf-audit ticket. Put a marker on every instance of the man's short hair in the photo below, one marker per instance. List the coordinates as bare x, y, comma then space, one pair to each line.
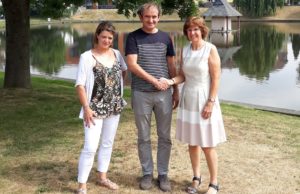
145, 6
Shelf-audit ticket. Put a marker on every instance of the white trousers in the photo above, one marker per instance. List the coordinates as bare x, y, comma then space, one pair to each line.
103, 131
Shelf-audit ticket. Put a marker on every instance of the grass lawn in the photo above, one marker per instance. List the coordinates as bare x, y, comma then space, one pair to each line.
41, 138
2, 24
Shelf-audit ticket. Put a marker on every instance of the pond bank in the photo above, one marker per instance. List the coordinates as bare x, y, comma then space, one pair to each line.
265, 108
286, 14
258, 107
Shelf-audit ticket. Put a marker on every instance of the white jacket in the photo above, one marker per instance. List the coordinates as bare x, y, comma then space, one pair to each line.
85, 75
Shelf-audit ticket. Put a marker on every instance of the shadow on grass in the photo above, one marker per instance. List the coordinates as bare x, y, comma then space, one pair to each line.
47, 176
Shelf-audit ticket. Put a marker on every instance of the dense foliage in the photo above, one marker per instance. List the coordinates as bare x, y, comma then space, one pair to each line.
184, 8
258, 7
53, 9
17, 51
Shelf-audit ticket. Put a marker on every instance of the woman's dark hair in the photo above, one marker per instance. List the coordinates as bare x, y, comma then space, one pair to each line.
103, 26
196, 21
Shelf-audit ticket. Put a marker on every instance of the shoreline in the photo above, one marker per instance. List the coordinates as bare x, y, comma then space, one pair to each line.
283, 14
274, 20
288, 14
264, 108
243, 104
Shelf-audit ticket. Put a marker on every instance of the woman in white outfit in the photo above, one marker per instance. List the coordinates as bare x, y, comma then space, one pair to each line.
99, 86
199, 117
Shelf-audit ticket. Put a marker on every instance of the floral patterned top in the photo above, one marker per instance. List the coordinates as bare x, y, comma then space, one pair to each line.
106, 96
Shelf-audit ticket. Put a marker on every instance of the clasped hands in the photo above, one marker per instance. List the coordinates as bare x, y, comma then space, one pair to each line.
163, 83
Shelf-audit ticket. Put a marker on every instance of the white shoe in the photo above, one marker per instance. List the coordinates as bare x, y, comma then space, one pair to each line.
81, 191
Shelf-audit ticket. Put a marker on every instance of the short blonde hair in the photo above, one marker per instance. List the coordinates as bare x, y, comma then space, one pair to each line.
196, 21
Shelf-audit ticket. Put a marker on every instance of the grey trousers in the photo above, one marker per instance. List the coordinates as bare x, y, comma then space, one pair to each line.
160, 103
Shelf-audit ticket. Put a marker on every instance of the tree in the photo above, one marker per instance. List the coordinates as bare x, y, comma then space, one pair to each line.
55, 9
184, 8
258, 7
17, 67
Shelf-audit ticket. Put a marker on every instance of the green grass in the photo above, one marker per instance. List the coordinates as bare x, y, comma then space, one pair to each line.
41, 137
279, 130
31, 119
2, 24
33, 22
36, 119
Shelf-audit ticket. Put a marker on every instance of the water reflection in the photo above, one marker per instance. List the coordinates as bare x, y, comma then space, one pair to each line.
48, 49
257, 52
260, 54
53, 48
226, 40
2, 49
228, 44
295, 40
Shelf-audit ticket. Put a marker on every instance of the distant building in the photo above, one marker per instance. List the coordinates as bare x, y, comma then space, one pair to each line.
229, 1
221, 13
103, 4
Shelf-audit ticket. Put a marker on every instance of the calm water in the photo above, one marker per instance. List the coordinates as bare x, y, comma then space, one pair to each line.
260, 64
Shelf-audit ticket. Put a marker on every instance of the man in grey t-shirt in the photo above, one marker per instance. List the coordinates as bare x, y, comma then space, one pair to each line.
150, 56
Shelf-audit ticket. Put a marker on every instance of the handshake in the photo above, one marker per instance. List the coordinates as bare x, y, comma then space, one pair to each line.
164, 83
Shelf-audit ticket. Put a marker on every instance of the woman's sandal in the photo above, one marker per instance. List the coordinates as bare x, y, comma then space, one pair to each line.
213, 186
108, 184
81, 191
191, 189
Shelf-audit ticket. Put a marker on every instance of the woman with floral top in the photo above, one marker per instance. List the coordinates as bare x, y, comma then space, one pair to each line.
99, 86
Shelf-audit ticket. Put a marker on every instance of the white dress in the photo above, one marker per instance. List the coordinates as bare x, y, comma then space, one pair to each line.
191, 128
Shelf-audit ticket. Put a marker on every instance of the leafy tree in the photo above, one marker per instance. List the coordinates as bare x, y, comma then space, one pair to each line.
17, 68
53, 9
184, 8
258, 7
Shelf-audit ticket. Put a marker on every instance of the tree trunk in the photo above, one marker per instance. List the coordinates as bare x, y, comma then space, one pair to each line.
17, 67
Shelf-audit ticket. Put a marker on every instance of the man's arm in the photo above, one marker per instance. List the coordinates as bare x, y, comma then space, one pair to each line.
140, 72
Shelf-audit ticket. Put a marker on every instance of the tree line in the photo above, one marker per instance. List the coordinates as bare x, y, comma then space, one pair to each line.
258, 8
17, 17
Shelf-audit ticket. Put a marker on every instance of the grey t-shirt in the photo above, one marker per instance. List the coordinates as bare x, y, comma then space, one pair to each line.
152, 51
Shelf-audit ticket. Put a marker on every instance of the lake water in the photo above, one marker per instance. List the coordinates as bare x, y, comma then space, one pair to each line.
260, 63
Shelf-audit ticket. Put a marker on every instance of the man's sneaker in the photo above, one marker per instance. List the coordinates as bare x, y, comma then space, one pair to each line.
146, 182
164, 183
